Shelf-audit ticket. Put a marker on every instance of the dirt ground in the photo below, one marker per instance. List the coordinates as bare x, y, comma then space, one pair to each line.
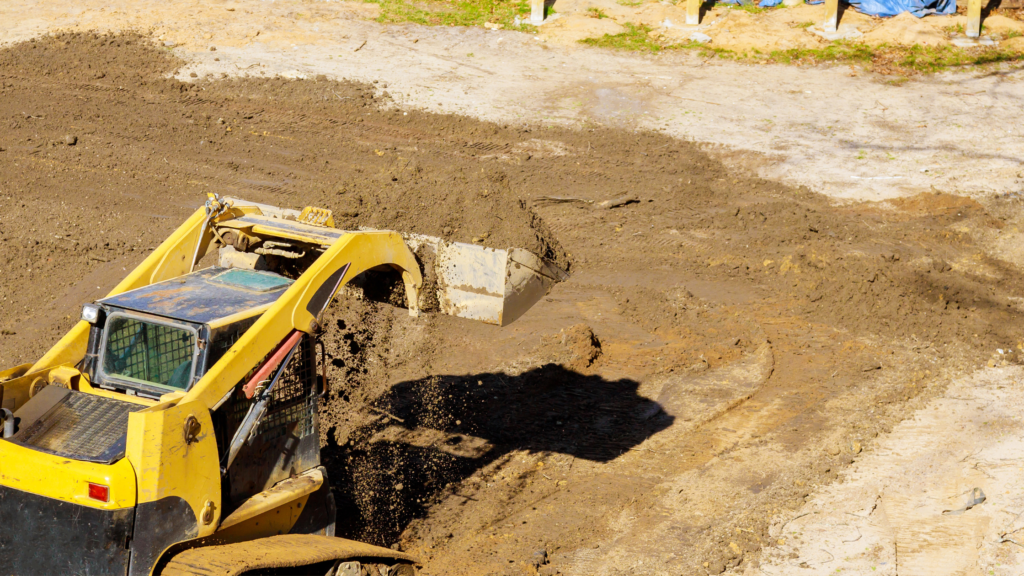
726, 347
840, 131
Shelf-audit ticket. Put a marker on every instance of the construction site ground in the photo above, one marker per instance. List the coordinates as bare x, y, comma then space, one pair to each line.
792, 346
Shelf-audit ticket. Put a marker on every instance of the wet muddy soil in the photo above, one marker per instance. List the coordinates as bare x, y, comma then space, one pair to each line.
725, 345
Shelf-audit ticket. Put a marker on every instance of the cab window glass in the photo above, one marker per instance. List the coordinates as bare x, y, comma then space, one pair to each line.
149, 352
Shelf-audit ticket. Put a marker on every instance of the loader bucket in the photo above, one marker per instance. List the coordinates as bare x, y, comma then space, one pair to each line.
491, 285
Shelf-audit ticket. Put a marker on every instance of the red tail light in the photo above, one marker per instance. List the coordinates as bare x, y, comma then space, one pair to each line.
99, 492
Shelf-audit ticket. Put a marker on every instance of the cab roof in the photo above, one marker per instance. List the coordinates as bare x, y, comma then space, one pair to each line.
205, 296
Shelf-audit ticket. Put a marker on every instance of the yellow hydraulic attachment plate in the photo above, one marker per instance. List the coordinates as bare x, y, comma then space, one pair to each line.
285, 551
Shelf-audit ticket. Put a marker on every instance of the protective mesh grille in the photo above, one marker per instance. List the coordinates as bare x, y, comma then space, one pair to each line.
82, 426
149, 352
293, 399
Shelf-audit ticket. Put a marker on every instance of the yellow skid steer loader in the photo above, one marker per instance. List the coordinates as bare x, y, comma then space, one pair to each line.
174, 429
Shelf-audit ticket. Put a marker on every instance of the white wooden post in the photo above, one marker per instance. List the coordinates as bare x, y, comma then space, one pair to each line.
536, 12
831, 15
693, 12
973, 18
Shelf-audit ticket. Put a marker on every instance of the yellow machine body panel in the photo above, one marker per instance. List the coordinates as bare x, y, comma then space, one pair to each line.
175, 453
277, 520
64, 479
274, 511
284, 495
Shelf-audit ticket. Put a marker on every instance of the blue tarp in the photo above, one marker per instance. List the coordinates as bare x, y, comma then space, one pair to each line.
884, 8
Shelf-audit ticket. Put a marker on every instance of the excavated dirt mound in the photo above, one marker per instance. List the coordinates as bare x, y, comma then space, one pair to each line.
722, 341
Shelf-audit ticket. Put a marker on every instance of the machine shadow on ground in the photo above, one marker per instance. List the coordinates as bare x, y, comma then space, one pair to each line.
436, 432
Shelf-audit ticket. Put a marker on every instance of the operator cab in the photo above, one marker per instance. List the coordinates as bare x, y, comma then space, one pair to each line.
163, 337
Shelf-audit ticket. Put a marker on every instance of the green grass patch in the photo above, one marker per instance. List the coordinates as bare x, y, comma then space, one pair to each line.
803, 25
835, 52
634, 38
596, 13
930, 59
454, 12
896, 61
751, 7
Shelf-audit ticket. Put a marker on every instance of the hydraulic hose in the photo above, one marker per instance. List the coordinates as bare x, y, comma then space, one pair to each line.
256, 411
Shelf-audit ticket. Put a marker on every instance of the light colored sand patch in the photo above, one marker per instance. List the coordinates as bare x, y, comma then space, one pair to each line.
996, 24
741, 31
908, 29
901, 510
659, 15
574, 27
1015, 44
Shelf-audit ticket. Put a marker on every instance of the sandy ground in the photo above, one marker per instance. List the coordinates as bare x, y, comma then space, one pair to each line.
841, 132
912, 507
800, 332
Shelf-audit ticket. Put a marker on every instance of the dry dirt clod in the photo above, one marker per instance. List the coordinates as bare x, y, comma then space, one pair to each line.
583, 347
71, 140
539, 558
618, 202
